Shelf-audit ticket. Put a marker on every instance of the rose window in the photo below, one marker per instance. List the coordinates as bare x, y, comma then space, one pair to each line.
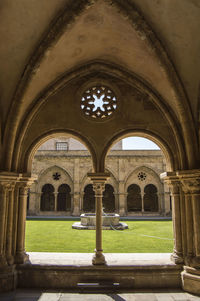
98, 102
142, 176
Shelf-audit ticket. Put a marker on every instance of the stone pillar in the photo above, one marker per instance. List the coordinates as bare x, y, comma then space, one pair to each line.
3, 207
166, 200
23, 186
122, 199
76, 204
8, 228
177, 255
172, 180
98, 181
76, 201
9, 236
191, 186
142, 196
196, 222
122, 192
15, 218
188, 223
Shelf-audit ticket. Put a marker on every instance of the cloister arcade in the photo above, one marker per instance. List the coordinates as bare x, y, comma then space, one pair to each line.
99, 71
55, 168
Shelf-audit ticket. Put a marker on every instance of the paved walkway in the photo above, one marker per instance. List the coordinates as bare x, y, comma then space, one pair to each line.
140, 295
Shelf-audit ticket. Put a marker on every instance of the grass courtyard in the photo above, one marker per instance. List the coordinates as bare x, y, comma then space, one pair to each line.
58, 236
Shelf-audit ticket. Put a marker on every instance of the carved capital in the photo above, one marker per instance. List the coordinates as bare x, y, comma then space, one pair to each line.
191, 185
98, 181
174, 187
98, 188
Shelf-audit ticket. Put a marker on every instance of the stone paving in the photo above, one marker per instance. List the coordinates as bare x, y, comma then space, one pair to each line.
140, 295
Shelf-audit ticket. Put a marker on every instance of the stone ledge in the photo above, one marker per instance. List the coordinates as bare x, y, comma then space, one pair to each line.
128, 270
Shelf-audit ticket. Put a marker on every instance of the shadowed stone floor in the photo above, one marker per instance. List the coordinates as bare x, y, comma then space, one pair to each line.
140, 295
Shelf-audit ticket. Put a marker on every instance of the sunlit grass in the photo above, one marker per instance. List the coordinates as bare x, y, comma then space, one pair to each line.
58, 236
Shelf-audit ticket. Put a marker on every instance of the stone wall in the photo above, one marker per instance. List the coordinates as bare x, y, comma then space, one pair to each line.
72, 166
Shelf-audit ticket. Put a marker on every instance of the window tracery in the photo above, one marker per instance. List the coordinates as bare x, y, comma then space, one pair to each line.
98, 102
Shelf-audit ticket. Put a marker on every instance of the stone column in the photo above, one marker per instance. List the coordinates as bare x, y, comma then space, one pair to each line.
166, 199
172, 180
122, 192
76, 204
191, 185
3, 206
188, 223
15, 218
21, 255
176, 217
98, 180
142, 196
195, 193
122, 199
9, 236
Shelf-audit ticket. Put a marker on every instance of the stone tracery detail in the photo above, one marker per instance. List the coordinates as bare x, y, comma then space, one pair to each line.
142, 176
98, 102
56, 176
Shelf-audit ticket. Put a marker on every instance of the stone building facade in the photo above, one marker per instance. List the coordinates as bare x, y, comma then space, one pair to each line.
63, 188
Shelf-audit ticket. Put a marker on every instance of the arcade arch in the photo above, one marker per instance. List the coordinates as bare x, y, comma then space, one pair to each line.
134, 176
154, 100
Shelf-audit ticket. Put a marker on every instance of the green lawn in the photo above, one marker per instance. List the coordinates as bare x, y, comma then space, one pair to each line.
58, 236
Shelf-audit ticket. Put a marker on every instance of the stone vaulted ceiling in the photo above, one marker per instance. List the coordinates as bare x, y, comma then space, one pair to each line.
99, 31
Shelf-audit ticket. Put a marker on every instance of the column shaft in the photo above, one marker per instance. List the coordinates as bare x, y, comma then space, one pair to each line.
98, 180
3, 205
21, 256
183, 225
196, 222
98, 201
189, 225
176, 217
9, 239
15, 219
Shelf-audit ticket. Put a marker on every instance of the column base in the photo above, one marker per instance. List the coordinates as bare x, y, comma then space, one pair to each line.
8, 278
98, 258
76, 213
21, 258
177, 258
10, 259
3, 261
122, 212
191, 280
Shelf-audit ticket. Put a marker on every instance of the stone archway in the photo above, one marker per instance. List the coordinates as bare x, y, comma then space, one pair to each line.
47, 202
64, 198
89, 199
134, 198
150, 198
108, 200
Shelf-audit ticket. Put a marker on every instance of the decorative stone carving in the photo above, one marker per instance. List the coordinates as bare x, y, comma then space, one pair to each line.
98, 102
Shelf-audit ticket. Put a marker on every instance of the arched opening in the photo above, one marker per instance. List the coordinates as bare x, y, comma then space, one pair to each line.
59, 166
143, 199
47, 202
88, 199
137, 162
108, 199
150, 198
134, 198
64, 198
